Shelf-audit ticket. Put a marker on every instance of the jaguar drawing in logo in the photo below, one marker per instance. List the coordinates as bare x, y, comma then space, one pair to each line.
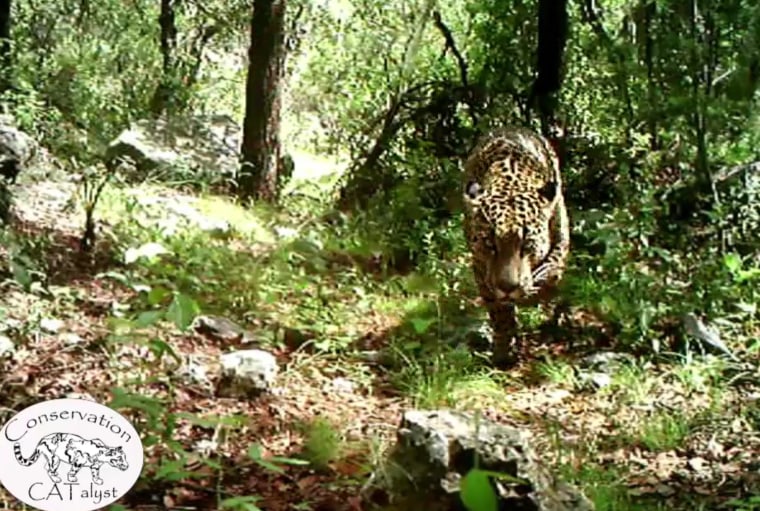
69, 455
75, 451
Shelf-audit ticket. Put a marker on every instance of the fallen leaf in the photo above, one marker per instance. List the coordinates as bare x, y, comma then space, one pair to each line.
307, 482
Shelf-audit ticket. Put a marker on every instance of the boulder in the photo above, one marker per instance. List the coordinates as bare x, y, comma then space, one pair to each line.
196, 145
436, 449
17, 149
204, 148
246, 373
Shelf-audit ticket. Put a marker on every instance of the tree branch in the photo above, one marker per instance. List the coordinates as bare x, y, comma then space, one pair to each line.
451, 45
726, 173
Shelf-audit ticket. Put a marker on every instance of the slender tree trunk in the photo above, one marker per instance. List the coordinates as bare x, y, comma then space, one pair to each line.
5, 46
649, 13
167, 22
701, 89
260, 150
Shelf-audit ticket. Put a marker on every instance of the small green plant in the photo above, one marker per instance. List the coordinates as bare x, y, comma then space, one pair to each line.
244, 503
557, 371
477, 493
634, 384
738, 270
751, 503
699, 375
91, 188
322, 443
436, 379
664, 431
603, 487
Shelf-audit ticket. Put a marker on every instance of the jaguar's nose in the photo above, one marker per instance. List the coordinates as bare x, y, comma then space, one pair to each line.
507, 290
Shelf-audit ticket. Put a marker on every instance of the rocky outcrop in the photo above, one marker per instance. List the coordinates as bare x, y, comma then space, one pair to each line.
17, 149
436, 450
195, 146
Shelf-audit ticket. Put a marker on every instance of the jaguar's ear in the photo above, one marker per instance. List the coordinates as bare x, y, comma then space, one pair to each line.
549, 190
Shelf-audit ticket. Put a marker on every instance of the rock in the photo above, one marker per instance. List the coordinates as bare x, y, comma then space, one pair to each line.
17, 149
72, 339
437, 448
51, 325
596, 370
247, 373
608, 362
222, 329
196, 144
598, 380
134, 147
7, 348
194, 371
342, 385
707, 334
204, 147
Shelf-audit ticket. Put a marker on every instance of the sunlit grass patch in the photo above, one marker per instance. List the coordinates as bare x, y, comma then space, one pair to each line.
448, 378
602, 484
632, 384
663, 431
699, 375
557, 371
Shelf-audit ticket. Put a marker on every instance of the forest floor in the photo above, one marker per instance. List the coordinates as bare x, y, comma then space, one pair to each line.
682, 435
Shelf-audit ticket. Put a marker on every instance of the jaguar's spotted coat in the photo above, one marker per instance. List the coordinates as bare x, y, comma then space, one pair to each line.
516, 225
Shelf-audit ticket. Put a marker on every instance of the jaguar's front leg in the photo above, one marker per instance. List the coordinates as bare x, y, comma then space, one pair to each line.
72, 475
503, 317
552, 268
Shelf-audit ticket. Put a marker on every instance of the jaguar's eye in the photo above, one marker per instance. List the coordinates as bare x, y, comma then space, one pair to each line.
473, 189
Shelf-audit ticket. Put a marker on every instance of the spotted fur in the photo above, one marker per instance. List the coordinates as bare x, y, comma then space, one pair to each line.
516, 226
75, 451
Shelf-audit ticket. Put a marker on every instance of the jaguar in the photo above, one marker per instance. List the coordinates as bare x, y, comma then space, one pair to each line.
517, 228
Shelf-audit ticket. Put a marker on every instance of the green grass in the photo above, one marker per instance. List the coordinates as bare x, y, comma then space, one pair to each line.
322, 443
602, 486
664, 431
446, 378
559, 372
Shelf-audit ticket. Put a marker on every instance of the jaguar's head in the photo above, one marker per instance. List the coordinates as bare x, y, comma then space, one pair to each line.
521, 239
117, 458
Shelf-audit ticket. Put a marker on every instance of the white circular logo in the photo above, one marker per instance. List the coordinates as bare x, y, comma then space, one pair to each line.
69, 455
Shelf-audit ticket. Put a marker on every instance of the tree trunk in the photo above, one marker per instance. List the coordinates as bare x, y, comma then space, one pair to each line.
260, 150
649, 8
552, 36
167, 22
5, 45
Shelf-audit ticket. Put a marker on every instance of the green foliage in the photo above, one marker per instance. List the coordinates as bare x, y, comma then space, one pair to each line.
322, 443
477, 493
270, 463
751, 503
83, 71
664, 432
